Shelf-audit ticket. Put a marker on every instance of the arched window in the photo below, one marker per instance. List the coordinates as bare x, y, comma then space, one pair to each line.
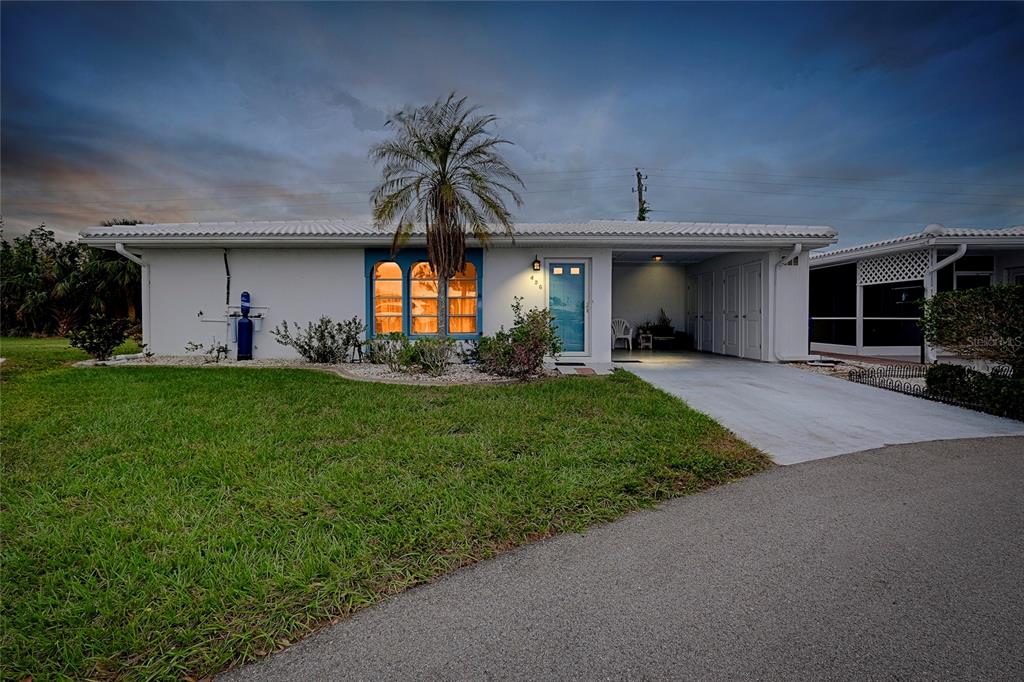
422, 299
462, 301
387, 297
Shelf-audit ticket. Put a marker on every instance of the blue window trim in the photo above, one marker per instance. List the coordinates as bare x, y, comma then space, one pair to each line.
405, 260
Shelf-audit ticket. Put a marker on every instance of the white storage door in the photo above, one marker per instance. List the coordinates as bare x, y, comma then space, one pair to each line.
731, 311
707, 312
751, 316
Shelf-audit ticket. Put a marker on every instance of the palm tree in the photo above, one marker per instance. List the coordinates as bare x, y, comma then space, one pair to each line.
442, 170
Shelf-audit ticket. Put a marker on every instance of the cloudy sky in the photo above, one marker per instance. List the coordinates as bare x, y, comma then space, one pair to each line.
876, 119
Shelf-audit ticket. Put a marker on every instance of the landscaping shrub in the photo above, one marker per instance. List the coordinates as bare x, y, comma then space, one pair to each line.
393, 350
946, 379
49, 286
99, 336
326, 342
520, 351
433, 355
214, 353
1000, 392
984, 324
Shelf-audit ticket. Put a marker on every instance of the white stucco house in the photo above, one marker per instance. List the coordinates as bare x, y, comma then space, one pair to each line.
739, 290
865, 299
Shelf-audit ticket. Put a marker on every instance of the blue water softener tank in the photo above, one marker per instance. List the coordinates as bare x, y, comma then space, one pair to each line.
245, 330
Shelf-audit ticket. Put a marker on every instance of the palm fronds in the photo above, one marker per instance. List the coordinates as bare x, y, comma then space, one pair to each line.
442, 170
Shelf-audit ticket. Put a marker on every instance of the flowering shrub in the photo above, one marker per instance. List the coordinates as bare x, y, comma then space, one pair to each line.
520, 351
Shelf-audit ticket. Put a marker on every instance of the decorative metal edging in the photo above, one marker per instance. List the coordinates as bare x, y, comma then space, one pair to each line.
894, 378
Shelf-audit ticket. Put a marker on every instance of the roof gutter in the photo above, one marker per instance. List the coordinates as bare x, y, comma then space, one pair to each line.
784, 260
952, 258
144, 277
696, 242
119, 247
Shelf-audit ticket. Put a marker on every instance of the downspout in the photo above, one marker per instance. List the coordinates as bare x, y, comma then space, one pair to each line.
931, 285
144, 276
952, 258
119, 247
227, 280
788, 258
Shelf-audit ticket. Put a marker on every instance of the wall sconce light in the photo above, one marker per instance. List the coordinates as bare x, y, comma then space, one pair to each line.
536, 264
657, 258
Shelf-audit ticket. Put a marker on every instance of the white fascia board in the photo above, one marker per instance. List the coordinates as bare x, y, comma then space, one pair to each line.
633, 241
824, 259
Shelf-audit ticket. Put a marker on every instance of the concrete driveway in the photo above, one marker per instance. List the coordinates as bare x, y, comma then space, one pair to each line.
901, 563
795, 415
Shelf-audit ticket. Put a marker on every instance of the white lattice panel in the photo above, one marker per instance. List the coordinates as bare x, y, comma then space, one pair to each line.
897, 267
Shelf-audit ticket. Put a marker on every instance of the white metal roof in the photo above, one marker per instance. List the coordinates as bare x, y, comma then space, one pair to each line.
354, 231
933, 234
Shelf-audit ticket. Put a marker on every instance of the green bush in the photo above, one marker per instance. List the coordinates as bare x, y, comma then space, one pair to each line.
48, 287
393, 350
985, 324
326, 342
1000, 392
520, 351
433, 354
430, 354
99, 336
946, 379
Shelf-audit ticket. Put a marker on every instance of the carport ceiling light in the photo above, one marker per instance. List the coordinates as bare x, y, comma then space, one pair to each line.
656, 258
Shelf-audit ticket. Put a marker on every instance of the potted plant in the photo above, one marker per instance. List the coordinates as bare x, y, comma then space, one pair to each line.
663, 327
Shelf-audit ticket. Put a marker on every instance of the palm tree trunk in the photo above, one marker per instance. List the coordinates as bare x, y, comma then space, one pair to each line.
442, 307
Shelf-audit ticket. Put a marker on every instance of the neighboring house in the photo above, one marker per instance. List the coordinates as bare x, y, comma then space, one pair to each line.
865, 300
736, 289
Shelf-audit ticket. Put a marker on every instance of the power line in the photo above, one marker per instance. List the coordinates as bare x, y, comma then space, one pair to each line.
846, 178
120, 207
839, 187
577, 171
826, 196
253, 195
361, 181
808, 219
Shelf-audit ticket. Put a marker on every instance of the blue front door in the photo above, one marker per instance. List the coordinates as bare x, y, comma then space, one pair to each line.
567, 300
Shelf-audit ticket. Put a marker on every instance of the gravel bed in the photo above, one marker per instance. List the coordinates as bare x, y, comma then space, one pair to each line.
457, 374
841, 368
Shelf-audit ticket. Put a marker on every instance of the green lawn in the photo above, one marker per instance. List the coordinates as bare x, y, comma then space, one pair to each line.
164, 522
37, 354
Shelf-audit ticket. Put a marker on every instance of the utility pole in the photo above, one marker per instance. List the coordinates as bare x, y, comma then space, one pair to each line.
642, 208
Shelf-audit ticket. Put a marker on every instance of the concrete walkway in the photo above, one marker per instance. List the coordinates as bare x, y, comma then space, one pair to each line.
795, 415
902, 563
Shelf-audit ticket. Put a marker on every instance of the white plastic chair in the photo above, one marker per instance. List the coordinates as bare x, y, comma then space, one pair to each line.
622, 330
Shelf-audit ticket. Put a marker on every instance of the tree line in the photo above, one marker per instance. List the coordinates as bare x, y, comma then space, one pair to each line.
49, 287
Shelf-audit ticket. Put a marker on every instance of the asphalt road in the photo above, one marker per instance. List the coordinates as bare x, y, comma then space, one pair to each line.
905, 562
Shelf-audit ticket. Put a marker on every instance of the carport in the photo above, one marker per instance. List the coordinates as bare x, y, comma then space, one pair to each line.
744, 300
796, 416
